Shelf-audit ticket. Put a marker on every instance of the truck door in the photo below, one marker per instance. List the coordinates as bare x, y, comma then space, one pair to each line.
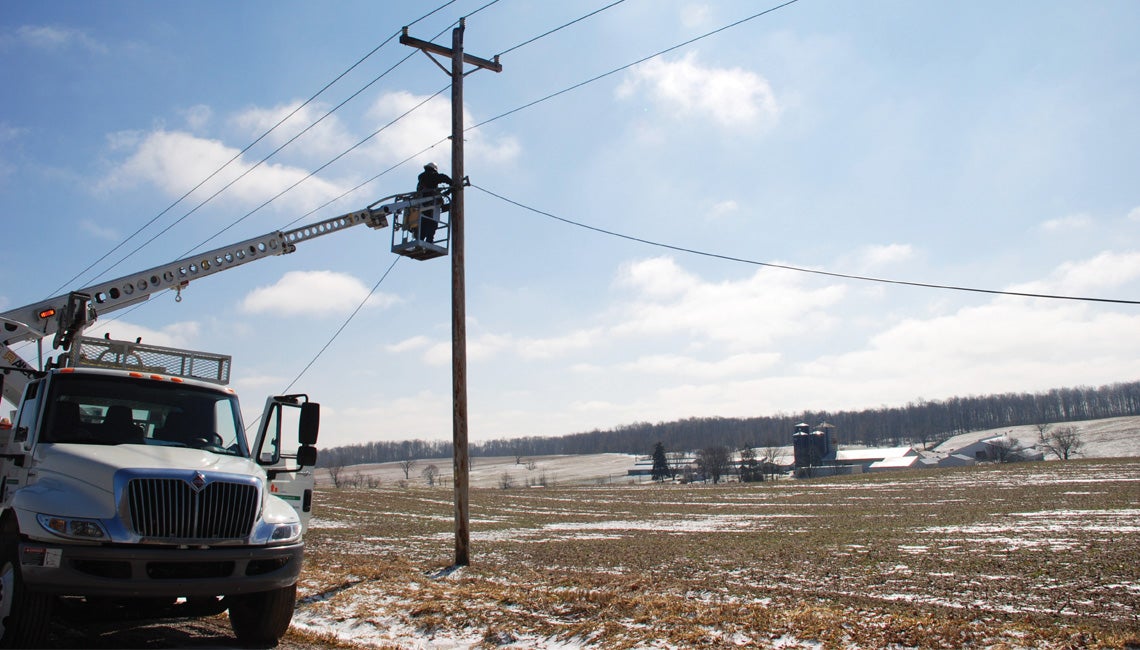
285, 447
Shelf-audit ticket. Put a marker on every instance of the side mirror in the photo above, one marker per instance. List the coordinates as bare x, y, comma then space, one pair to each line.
310, 423
307, 456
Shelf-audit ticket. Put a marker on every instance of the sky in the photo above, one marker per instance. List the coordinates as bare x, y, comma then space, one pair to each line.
625, 237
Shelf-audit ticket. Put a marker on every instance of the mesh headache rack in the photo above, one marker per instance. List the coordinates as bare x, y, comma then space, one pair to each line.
126, 355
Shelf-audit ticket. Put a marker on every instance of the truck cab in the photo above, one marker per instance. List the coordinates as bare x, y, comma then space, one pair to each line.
128, 476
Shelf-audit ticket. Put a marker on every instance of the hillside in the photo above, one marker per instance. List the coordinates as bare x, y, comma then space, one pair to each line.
1108, 438
586, 469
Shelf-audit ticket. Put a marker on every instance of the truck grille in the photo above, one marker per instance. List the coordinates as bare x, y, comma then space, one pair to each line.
171, 509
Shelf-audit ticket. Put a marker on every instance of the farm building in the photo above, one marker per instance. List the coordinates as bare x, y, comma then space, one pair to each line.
996, 448
875, 459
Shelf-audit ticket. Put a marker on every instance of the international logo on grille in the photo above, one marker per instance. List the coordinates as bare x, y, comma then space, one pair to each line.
199, 480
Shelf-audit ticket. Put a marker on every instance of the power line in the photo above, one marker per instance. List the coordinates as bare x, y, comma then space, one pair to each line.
311, 126
786, 267
445, 139
246, 149
560, 27
343, 325
319, 169
336, 334
329, 162
630, 65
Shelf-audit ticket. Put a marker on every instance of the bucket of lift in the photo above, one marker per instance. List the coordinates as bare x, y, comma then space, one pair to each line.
421, 229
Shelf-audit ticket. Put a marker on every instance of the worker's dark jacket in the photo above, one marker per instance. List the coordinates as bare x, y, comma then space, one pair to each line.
430, 180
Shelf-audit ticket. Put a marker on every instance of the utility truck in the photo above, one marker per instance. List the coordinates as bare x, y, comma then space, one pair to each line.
127, 480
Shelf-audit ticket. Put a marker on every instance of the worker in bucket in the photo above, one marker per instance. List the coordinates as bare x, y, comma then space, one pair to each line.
428, 185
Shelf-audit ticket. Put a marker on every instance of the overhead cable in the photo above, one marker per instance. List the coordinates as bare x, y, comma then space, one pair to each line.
245, 150
314, 172
786, 267
560, 27
630, 65
335, 335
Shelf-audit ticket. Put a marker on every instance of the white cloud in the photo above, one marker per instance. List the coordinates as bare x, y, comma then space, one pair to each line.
722, 209
559, 346
259, 384
754, 311
312, 292
876, 256
732, 97
1007, 345
1067, 223
692, 368
49, 37
429, 124
197, 116
176, 335
327, 139
439, 353
409, 344
175, 161
97, 231
1134, 215
422, 415
1107, 270
695, 15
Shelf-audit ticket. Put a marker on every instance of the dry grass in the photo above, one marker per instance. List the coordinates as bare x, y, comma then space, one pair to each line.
1040, 555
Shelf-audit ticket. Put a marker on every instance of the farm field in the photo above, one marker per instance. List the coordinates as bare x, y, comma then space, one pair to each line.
1032, 555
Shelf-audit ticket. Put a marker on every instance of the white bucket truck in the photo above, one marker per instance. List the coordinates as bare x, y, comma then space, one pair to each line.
126, 476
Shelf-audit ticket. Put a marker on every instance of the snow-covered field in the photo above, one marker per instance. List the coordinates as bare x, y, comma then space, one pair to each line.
1108, 438
1033, 555
589, 469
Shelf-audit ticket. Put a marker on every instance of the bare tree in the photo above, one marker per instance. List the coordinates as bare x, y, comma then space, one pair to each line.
713, 462
506, 481
678, 463
750, 468
336, 472
1063, 442
1005, 450
430, 473
768, 455
408, 464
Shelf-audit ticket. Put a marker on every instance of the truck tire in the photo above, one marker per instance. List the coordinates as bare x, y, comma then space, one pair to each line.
261, 619
24, 615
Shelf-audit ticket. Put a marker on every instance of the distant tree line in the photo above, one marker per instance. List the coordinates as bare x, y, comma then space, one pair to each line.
923, 422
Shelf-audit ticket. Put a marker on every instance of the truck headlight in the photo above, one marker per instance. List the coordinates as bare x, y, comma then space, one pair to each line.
73, 528
285, 533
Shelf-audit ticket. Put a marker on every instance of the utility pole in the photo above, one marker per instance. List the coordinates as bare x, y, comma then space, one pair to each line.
462, 463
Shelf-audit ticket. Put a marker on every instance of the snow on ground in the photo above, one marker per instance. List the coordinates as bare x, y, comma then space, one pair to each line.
1108, 438
586, 469
1009, 556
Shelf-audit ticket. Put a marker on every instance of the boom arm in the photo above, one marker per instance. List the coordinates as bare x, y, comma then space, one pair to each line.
66, 315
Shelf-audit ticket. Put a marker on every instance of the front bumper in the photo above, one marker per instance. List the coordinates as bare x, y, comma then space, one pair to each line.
135, 570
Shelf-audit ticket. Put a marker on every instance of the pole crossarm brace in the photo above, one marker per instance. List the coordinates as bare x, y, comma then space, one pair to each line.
432, 48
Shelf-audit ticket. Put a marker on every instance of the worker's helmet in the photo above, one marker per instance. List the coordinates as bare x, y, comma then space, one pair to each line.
431, 166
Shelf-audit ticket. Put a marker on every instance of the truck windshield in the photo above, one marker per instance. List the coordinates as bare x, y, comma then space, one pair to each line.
109, 410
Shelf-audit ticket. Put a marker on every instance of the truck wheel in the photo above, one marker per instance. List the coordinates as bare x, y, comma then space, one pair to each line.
24, 615
261, 619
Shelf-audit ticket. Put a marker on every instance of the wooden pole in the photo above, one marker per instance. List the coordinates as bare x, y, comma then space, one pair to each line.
462, 463
459, 311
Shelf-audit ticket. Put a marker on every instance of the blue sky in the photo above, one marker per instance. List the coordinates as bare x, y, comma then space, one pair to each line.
989, 145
